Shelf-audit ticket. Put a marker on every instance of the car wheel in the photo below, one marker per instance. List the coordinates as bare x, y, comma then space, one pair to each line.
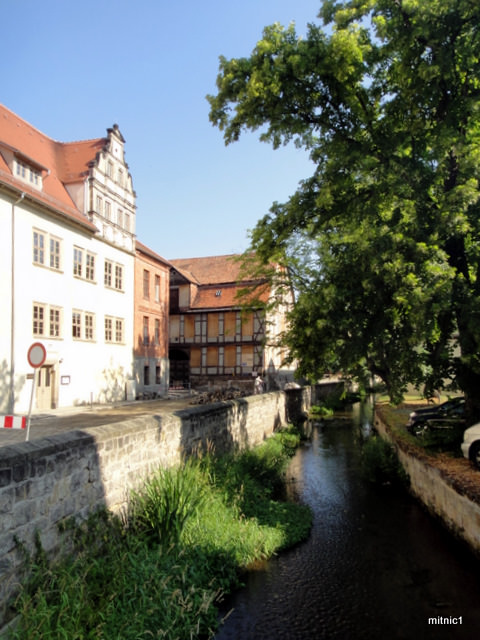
474, 453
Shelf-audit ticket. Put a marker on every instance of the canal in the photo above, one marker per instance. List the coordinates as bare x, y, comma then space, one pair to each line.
376, 565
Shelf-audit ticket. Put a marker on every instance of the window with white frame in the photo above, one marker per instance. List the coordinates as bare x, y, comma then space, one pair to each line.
83, 325
39, 312
46, 321
108, 273
119, 322
46, 250
83, 264
55, 253
76, 324
114, 330
54, 322
28, 173
90, 267
108, 329
119, 277
77, 261
89, 322
39, 239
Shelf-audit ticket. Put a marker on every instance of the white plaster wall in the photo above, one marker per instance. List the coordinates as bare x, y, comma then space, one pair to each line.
97, 371
5, 289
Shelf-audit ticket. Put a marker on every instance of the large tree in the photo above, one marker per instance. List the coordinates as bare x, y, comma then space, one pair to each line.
384, 96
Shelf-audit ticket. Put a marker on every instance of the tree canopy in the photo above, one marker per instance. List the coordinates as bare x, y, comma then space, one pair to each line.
384, 96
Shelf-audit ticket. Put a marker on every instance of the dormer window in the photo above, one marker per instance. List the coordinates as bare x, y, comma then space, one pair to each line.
28, 173
218, 293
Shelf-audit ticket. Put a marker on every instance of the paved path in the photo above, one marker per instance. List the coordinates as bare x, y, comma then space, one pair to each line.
68, 419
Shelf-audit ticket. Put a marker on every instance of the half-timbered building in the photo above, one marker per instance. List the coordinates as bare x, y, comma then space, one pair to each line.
214, 337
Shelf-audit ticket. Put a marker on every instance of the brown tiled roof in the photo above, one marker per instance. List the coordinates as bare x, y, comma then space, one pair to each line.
149, 252
59, 162
223, 297
210, 270
219, 280
74, 158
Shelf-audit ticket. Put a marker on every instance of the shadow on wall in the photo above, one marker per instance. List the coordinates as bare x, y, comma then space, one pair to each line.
223, 427
5, 386
44, 483
113, 387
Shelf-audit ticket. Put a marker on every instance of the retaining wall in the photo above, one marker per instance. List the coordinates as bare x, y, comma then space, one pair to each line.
460, 514
46, 481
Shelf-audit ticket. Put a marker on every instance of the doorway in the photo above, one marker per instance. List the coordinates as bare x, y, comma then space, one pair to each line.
45, 394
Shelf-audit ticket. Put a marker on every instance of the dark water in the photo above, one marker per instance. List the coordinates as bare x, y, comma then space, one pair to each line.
376, 564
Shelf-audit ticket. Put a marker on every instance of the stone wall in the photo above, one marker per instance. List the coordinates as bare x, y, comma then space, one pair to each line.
46, 481
460, 514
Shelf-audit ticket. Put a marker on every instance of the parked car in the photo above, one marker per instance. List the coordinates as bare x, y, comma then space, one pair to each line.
448, 415
471, 444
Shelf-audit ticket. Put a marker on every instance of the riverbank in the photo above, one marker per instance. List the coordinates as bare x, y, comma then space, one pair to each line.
163, 567
448, 486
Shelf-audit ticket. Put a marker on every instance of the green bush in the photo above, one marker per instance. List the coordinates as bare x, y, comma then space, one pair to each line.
380, 462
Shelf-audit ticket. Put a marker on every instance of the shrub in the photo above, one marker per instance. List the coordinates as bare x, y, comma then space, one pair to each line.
380, 462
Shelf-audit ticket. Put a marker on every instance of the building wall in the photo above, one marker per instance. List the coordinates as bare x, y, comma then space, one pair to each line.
111, 199
151, 347
220, 343
83, 368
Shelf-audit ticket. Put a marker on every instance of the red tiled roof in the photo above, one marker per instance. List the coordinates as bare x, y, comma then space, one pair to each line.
60, 163
225, 297
74, 158
211, 270
219, 280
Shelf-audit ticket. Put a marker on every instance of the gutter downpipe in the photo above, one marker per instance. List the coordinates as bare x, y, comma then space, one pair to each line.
11, 399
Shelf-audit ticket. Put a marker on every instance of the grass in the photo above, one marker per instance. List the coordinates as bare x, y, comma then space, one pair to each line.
160, 569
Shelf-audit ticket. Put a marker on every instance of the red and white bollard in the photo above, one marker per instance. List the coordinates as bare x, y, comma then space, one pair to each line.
13, 422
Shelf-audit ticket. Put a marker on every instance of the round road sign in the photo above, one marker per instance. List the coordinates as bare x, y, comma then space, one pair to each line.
37, 355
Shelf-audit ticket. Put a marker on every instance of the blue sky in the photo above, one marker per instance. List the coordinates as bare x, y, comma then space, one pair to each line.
73, 69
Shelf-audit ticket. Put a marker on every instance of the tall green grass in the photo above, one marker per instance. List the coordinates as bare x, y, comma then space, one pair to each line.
160, 569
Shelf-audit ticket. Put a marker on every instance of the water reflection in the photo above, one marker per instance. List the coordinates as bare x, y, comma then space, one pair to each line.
375, 566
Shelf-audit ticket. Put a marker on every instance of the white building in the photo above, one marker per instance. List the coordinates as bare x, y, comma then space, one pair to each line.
67, 216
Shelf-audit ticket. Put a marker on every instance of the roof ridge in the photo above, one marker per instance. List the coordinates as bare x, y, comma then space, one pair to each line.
45, 135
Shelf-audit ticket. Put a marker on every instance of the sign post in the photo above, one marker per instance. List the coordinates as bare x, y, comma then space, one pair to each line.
36, 356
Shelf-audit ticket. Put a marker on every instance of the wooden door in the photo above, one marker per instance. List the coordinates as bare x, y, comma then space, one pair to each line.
45, 387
